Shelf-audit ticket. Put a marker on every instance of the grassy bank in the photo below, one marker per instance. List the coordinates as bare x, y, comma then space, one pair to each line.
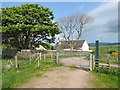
15, 78
104, 78
105, 81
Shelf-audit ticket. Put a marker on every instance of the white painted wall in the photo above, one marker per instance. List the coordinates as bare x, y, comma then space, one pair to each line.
85, 46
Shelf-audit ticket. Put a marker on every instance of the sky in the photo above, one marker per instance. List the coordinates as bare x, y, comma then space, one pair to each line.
105, 25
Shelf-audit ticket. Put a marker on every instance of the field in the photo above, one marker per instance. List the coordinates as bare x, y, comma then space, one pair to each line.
102, 77
105, 80
105, 55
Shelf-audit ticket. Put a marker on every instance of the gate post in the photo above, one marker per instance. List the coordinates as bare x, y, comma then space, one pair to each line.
16, 62
97, 54
57, 58
91, 61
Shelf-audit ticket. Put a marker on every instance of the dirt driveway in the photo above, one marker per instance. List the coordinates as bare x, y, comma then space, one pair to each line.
75, 61
62, 77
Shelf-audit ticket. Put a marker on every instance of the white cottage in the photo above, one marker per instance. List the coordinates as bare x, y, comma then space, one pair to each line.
40, 48
81, 45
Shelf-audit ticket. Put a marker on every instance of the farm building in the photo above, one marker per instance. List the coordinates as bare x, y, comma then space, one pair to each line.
80, 45
40, 48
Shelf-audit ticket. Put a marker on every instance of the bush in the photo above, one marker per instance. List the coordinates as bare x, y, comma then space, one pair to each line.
7, 57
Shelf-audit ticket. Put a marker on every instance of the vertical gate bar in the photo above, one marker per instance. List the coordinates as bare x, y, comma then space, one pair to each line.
80, 61
40, 56
91, 61
30, 58
57, 58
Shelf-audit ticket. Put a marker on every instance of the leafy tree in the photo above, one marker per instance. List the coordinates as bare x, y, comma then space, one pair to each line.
27, 26
47, 46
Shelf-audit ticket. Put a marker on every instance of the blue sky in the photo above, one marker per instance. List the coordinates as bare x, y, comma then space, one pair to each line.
60, 8
105, 26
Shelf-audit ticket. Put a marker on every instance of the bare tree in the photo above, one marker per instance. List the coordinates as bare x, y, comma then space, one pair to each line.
73, 26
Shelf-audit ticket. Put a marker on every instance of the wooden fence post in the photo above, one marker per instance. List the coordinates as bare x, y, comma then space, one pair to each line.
93, 61
16, 61
108, 66
39, 59
30, 58
57, 58
38, 62
51, 56
40, 56
44, 57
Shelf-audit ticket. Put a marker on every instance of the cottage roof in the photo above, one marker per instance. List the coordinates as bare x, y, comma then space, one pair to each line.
65, 44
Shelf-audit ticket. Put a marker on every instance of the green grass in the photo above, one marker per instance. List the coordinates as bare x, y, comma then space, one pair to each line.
0, 74
105, 81
67, 56
106, 78
15, 78
106, 49
111, 62
73, 68
22, 61
105, 55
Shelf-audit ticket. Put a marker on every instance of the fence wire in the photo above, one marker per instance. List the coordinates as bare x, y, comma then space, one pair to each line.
10, 62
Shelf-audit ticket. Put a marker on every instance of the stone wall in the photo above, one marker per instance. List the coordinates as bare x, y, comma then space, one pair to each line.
9, 52
22, 53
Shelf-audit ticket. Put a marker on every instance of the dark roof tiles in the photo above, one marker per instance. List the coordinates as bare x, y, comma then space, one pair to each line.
65, 44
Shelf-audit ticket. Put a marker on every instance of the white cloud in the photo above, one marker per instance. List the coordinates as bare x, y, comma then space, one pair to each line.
81, 7
106, 21
106, 17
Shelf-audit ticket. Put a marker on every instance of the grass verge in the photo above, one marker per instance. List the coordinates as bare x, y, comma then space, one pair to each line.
15, 78
105, 78
105, 81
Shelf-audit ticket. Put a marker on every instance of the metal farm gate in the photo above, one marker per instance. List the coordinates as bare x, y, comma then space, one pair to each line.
77, 59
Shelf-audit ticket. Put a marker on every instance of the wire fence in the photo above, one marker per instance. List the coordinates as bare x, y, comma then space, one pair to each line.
19, 61
108, 60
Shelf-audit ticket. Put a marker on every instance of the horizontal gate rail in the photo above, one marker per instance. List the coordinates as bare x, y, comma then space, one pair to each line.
79, 53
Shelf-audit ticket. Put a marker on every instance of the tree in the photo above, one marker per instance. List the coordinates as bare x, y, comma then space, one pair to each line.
27, 26
47, 46
72, 27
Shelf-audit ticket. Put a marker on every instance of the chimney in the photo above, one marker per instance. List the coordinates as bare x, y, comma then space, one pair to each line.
59, 42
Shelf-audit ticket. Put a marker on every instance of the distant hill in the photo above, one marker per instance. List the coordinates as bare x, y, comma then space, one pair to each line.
103, 44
